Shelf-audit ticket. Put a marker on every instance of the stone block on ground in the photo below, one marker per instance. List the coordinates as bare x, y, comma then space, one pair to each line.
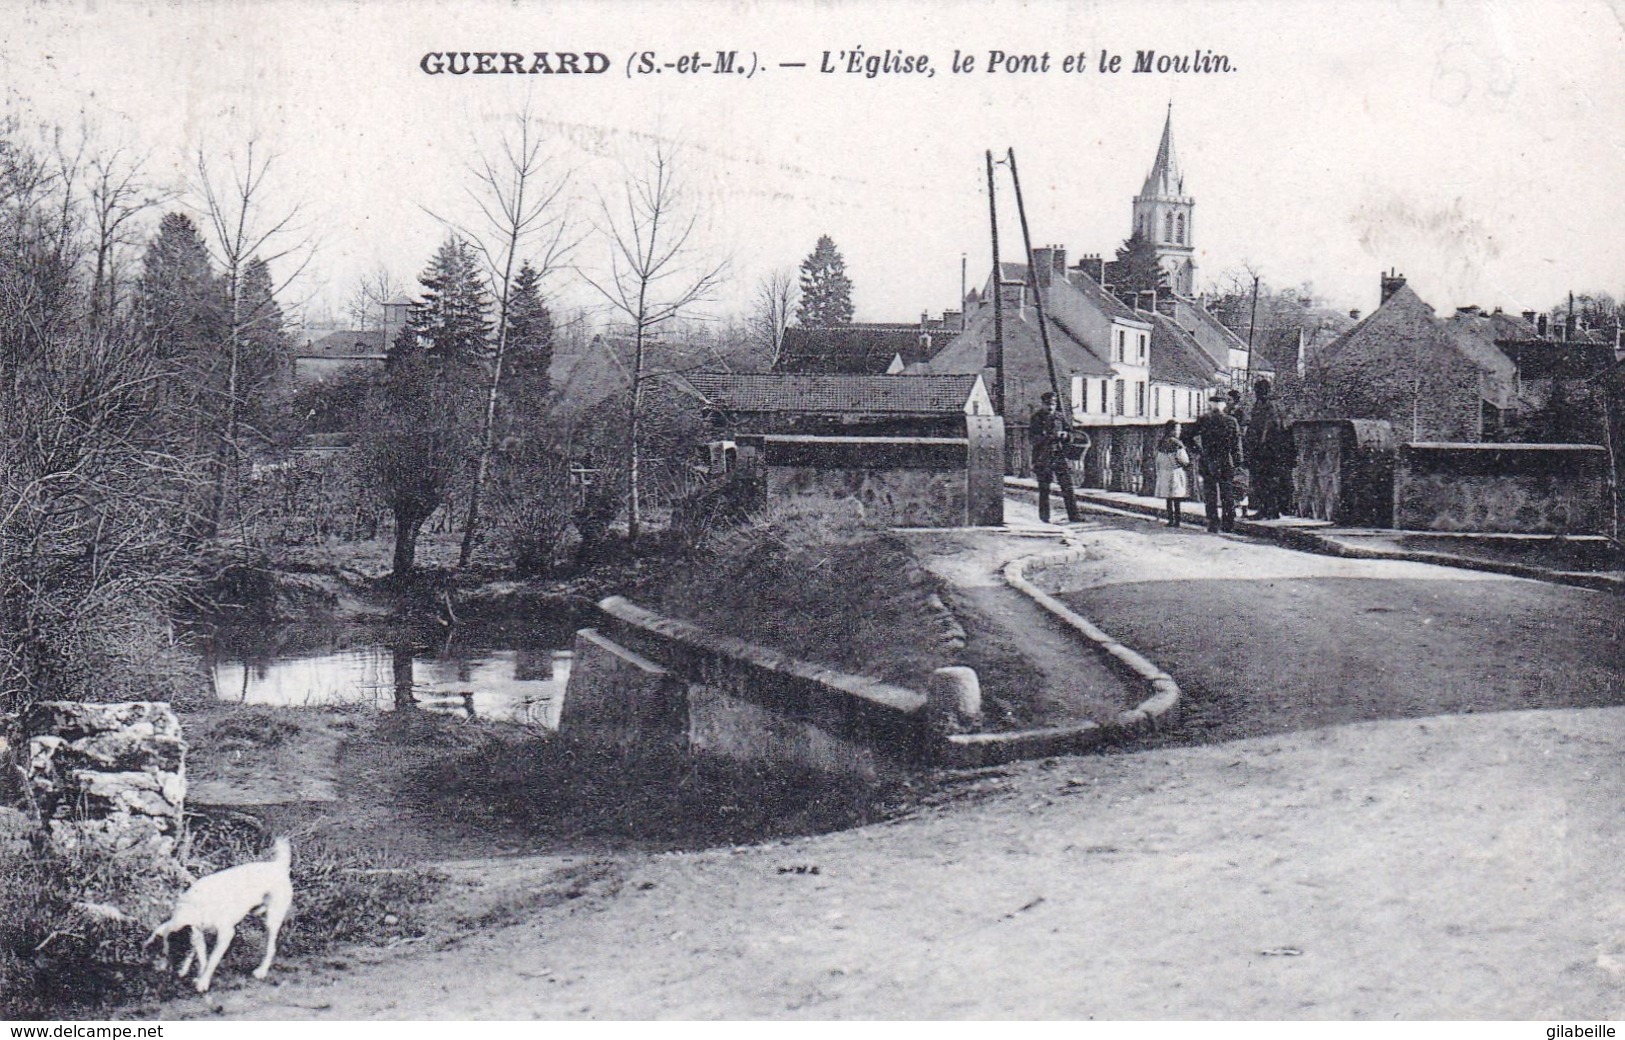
109, 774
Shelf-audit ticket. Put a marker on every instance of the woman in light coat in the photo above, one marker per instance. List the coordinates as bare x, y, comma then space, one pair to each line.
1173, 465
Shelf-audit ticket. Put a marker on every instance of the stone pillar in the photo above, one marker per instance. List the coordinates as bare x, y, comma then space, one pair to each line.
954, 700
110, 774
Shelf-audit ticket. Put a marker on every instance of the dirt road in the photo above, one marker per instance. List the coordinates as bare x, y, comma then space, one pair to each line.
1263, 640
1430, 866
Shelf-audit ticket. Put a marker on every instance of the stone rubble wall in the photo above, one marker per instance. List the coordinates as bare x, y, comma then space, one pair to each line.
111, 774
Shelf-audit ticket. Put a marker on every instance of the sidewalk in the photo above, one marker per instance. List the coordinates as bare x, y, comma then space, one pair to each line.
1321, 536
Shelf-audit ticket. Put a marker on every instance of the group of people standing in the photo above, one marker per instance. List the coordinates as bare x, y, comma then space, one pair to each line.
1223, 440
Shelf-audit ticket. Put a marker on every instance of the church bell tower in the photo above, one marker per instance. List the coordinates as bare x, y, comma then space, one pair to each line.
1162, 213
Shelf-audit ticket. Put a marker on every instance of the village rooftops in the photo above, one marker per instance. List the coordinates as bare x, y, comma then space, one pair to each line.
859, 349
1176, 357
1108, 304
846, 395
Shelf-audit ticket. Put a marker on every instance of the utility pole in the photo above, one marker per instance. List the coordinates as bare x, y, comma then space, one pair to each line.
996, 360
1251, 323
1038, 296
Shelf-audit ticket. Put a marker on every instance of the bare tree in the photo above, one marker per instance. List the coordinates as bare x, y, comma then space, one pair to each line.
652, 278
240, 237
367, 299
771, 310
521, 220
93, 496
118, 195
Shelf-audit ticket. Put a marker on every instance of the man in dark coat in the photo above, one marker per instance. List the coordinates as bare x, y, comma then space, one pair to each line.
1050, 433
1270, 452
1218, 440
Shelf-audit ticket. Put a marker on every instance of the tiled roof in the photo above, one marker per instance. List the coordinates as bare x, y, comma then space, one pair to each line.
1475, 335
1405, 323
1113, 307
835, 394
344, 343
1176, 357
858, 349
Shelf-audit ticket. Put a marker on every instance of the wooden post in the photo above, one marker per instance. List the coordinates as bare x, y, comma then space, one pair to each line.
996, 391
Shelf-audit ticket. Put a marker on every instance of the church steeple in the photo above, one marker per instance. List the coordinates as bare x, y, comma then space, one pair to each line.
1165, 177
1163, 213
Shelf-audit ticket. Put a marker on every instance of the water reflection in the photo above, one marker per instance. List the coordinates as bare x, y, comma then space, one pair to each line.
506, 685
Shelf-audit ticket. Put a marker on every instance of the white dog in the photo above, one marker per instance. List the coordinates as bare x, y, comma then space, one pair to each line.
219, 902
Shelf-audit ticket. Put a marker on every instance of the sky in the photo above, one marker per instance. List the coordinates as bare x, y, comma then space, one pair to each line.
1479, 148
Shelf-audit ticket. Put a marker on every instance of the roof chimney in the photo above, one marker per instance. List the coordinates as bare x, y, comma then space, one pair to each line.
1355, 314
1392, 282
1044, 265
1093, 267
1529, 318
1568, 325
1013, 295
1541, 325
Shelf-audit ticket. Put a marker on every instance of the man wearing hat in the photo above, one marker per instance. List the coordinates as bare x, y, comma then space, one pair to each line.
1270, 454
1050, 433
1218, 439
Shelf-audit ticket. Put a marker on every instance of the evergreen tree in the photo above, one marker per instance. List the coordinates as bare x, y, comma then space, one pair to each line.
183, 314
1136, 268
826, 291
451, 320
267, 350
181, 303
530, 341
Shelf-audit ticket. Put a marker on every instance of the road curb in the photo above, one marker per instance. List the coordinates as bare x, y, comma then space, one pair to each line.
1158, 710
1326, 545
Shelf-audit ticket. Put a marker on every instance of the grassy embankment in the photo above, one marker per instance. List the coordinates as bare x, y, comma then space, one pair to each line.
810, 579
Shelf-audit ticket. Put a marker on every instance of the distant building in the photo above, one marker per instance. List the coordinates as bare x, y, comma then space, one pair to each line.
841, 405
864, 349
916, 450
329, 354
1109, 363
1433, 379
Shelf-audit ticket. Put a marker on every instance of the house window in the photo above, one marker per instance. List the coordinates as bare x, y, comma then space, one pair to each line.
1139, 398
1120, 335
1118, 410
1144, 339
1179, 230
1167, 227
1156, 401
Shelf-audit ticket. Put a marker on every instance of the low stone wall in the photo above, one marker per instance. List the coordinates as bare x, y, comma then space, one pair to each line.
905, 481
643, 681
112, 774
1502, 488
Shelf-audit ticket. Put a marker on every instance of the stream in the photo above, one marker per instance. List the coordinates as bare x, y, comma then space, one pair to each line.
498, 674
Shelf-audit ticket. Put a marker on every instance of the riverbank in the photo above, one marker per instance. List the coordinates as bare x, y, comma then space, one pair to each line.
1451, 866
